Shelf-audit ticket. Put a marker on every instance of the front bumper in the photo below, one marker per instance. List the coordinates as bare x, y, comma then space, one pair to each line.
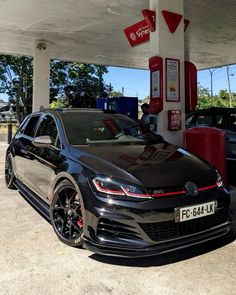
138, 229
102, 249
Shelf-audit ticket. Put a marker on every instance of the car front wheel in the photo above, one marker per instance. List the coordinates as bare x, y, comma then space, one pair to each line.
66, 214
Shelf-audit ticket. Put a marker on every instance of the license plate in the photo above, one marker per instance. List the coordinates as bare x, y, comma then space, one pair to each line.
196, 211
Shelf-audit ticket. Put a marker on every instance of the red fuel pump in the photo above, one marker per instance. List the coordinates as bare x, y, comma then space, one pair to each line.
208, 143
190, 86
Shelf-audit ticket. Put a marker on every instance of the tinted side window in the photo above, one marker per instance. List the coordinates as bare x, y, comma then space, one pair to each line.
204, 120
30, 127
22, 125
189, 120
219, 121
48, 127
232, 122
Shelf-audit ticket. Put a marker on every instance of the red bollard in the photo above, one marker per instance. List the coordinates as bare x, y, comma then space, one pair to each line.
209, 144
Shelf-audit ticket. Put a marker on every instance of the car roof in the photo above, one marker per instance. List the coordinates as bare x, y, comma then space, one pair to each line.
60, 111
212, 109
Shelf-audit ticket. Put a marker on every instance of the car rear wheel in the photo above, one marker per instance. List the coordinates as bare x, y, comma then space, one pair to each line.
9, 173
66, 214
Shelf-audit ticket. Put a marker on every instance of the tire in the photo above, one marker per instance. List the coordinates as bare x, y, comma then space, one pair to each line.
9, 173
66, 214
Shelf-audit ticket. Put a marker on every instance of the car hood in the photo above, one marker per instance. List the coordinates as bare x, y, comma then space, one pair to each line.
159, 165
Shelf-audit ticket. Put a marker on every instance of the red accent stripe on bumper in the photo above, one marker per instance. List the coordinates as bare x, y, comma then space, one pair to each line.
205, 188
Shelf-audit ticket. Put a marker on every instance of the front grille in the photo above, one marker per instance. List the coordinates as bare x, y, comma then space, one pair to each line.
170, 229
110, 228
176, 188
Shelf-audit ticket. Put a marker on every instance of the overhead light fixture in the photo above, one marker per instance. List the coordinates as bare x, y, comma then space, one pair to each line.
111, 11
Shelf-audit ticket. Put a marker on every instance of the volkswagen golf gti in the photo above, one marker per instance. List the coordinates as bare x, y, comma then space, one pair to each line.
105, 184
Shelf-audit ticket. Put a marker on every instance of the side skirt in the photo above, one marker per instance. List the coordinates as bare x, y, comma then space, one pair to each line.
37, 203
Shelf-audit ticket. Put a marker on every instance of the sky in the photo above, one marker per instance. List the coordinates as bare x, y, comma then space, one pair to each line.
219, 78
136, 82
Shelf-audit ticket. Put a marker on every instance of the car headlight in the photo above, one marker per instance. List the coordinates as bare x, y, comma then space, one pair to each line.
108, 186
219, 180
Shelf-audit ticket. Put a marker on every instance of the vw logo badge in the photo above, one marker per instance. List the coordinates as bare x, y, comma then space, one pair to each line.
191, 188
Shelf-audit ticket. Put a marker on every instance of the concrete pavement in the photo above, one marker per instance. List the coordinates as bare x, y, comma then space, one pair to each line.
34, 261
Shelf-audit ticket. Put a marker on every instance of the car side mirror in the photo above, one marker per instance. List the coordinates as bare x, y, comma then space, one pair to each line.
42, 141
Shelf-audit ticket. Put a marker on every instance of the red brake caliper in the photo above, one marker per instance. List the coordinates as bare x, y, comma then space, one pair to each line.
80, 220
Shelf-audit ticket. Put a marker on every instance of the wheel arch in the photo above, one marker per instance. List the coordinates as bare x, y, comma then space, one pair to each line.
64, 176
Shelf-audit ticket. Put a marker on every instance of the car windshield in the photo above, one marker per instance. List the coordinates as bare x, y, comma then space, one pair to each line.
100, 128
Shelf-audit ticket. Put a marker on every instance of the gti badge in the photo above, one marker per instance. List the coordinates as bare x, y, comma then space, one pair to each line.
191, 188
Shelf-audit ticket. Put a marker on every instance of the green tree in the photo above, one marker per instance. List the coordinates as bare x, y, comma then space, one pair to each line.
59, 103
203, 97
16, 81
58, 78
85, 83
224, 95
223, 99
77, 84
206, 101
116, 94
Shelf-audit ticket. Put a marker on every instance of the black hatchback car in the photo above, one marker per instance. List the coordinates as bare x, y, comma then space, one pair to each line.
105, 184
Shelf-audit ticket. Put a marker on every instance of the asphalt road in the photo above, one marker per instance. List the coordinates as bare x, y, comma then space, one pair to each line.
33, 261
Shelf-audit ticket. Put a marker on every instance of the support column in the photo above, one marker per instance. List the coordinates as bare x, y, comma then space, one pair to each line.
165, 44
41, 75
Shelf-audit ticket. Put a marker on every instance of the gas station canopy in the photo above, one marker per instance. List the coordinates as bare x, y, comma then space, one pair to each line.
91, 31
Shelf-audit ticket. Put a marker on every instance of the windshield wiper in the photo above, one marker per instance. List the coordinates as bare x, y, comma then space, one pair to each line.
126, 139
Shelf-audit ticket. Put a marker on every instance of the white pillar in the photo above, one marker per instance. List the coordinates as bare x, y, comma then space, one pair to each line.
165, 44
41, 75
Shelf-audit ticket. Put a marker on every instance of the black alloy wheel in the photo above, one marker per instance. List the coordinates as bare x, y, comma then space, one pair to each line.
66, 214
9, 173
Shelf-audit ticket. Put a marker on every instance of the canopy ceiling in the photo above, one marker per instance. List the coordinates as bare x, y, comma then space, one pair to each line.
91, 31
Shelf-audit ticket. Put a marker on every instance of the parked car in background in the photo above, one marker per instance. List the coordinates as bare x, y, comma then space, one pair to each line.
8, 113
1, 118
221, 118
104, 183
